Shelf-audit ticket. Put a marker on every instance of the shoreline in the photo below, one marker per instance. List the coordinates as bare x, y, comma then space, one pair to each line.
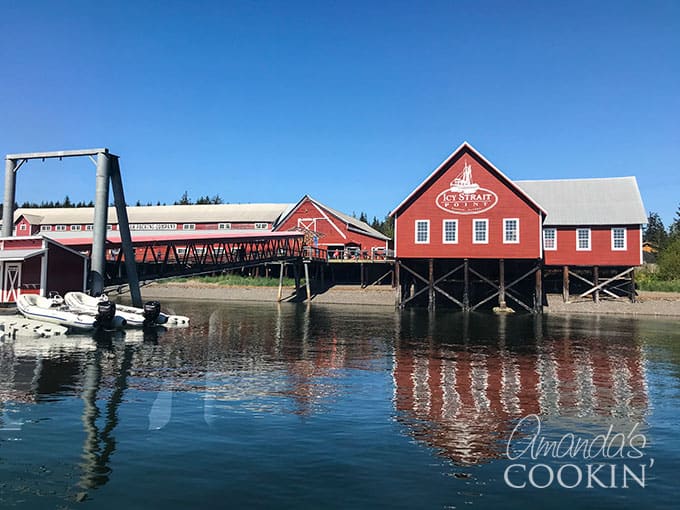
650, 303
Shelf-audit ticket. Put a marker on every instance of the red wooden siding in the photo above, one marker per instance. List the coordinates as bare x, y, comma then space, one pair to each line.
64, 270
510, 204
333, 230
601, 253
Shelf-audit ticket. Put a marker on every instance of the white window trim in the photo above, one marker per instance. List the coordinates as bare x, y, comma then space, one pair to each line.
89, 227
625, 239
22, 227
505, 220
474, 231
60, 228
189, 226
444, 241
590, 240
427, 222
224, 226
75, 228
260, 226
45, 228
545, 246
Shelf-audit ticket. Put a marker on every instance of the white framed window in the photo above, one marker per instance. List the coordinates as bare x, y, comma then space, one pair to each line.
260, 226
60, 228
189, 226
450, 232
550, 239
480, 231
88, 227
422, 231
511, 231
181, 251
22, 227
582, 239
75, 228
619, 239
45, 228
109, 227
224, 226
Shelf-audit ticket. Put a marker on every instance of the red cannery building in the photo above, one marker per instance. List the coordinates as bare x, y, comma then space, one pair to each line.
470, 235
341, 235
39, 265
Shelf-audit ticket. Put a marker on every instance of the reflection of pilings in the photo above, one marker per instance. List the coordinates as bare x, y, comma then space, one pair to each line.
100, 445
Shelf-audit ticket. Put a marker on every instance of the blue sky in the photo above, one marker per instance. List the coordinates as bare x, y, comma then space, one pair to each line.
354, 103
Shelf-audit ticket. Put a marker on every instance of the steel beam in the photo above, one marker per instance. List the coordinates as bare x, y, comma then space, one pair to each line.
58, 154
101, 211
124, 230
10, 190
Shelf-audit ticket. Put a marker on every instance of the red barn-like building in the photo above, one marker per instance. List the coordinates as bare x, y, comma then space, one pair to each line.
38, 265
340, 234
470, 234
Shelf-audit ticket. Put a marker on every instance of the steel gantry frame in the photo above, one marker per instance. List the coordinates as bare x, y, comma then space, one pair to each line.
108, 172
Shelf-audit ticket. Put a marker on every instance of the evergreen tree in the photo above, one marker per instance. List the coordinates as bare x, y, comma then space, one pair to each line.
67, 202
674, 229
362, 217
184, 200
655, 232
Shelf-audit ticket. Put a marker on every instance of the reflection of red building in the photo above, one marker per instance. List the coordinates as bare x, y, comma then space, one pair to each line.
464, 402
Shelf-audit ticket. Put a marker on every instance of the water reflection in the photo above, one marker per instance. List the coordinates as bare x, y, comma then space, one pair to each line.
461, 391
460, 381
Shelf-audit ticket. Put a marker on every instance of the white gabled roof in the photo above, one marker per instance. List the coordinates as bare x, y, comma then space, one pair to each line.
464, 145
603, 201
208, 213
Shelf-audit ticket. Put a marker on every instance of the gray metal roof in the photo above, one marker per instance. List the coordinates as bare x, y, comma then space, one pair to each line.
9, 255
246, 213
607, 201
354, 222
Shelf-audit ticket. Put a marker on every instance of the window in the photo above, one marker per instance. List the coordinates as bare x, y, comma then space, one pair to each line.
511, 230
480, 231
88, 227
450, 232
550, 239
582, 239
618, 239
22, 226
75, 227
60, 228
422, 231
224, 226
109, 227
261, 226
45, 228
189, 226
181, 251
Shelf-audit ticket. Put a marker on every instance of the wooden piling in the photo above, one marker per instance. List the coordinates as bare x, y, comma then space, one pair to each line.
466, 285
538, 297
565, 284
307, 283
397, 285
281, 271
596, 281
501, 284
430, 284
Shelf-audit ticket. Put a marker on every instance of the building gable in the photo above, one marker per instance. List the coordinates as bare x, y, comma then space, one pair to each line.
466, 192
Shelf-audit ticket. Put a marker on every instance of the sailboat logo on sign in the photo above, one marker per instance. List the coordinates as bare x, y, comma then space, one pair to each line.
464, 196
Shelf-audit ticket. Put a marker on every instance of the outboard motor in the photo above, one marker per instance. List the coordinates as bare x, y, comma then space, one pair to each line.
152, 310
106, 314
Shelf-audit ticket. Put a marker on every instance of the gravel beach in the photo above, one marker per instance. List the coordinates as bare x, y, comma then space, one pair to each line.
663, 304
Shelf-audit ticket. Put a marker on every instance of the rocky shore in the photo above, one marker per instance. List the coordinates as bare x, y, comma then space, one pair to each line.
661, 304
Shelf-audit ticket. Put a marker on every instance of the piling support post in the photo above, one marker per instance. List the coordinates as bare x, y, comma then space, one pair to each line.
307, 284
124, 230
632, 286
565, 284
538, 296
296, 276
101, 212
363, 275
466, 285
8, 204
430, 285
397, 285
280, 293
501, 284
596, 281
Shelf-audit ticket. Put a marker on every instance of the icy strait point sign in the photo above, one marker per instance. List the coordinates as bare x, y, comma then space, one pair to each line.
464, 196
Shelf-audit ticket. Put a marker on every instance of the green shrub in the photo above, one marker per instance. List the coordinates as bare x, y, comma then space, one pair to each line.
669, 261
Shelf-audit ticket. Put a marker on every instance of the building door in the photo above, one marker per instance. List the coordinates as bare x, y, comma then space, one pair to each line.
11, 288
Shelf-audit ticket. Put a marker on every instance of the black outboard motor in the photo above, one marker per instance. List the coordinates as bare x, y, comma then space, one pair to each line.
106, 313
152, 310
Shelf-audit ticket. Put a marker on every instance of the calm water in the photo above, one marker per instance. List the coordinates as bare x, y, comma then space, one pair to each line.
267, 406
